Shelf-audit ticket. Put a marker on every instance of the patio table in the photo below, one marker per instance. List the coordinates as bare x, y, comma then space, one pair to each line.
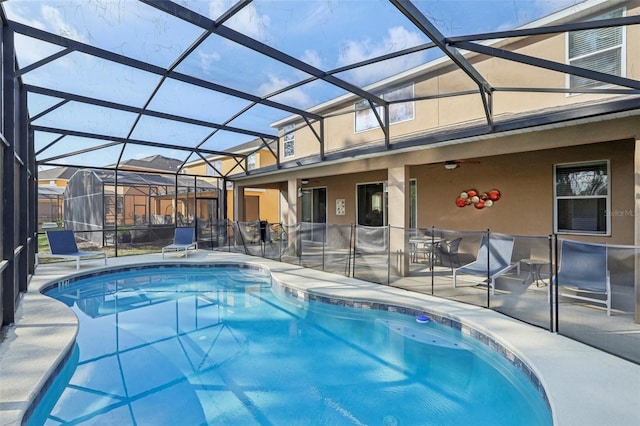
535, 265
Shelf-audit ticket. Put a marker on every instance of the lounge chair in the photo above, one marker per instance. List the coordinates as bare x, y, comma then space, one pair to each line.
583, 268
500, 248
449, 249
62, 244
184, 239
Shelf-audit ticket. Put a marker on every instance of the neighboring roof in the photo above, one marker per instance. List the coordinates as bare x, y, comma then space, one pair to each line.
250, 146
50, 191
56, 173
132, 178
244, 148
154, 162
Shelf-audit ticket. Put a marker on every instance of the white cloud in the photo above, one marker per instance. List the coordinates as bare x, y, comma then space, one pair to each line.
248, 21
397, 38
19, 13
295, 96
57, 24
45, 18
312, 57
206, 59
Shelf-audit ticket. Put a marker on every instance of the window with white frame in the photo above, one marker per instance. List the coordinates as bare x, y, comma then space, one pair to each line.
402, 111
252, 161
365, 118
212, 169
289, 141
582, 198
599, 49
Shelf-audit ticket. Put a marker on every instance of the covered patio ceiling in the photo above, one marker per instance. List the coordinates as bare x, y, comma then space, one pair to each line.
107, 81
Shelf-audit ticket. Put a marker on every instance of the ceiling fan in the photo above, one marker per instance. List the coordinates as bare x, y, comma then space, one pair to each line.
454, 164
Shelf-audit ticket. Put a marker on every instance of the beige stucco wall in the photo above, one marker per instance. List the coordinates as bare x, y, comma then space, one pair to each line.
526, 182
439, 113
268, 201
519, 165
344, 187
524, 179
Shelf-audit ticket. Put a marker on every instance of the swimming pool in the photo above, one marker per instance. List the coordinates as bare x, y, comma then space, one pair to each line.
196, 345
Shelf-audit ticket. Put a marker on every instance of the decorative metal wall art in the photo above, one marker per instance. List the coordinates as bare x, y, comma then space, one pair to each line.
477, 199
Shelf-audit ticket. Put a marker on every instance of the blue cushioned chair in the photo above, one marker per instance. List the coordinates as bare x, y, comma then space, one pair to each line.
583, 268
184, 239
63, 245
493, 260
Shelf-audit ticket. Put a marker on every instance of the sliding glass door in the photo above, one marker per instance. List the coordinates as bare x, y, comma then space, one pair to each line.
372, 204
314, 214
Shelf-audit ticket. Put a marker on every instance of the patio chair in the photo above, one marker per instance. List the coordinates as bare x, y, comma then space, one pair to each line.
449, 249
184, 239
62, 244
499, 249
583, 269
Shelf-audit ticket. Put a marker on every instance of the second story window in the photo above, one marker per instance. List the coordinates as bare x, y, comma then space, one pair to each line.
213, 169
289, 141
365, 118
252, 161
600, 49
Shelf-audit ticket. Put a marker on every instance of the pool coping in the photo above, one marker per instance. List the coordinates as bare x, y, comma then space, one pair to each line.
583, 386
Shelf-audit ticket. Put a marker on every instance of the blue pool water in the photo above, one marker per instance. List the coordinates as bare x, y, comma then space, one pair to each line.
222, 346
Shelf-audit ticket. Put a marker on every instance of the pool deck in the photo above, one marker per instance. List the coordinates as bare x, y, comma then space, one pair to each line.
585, 386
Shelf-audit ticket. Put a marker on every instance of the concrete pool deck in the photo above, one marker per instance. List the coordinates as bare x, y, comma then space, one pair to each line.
584, 386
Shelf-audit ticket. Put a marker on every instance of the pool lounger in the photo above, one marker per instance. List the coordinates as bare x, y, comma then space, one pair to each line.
62, 244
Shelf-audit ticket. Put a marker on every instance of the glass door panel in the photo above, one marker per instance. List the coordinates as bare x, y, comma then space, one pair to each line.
372, 204
314, 214
210, 232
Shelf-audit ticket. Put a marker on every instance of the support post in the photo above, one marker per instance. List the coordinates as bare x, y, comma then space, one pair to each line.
398, 196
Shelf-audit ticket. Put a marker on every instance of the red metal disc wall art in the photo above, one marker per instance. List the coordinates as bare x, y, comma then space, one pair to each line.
479, 200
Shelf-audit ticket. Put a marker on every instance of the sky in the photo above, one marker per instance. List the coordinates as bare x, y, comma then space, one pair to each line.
325, 34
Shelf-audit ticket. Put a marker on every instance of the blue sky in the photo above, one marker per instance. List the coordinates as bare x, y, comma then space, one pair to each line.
325, 34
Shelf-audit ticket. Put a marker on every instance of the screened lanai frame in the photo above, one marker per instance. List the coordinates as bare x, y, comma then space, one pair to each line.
104, 207
23, 130
248, 102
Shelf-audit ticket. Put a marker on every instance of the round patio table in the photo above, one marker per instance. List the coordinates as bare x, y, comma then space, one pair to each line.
535, 265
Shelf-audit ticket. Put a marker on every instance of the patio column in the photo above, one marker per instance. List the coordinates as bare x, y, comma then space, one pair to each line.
398, 200
636, 164
289, 214
238, 204
290, 203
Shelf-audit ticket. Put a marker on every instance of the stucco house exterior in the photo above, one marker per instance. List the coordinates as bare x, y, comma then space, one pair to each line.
259, 203
561, 150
